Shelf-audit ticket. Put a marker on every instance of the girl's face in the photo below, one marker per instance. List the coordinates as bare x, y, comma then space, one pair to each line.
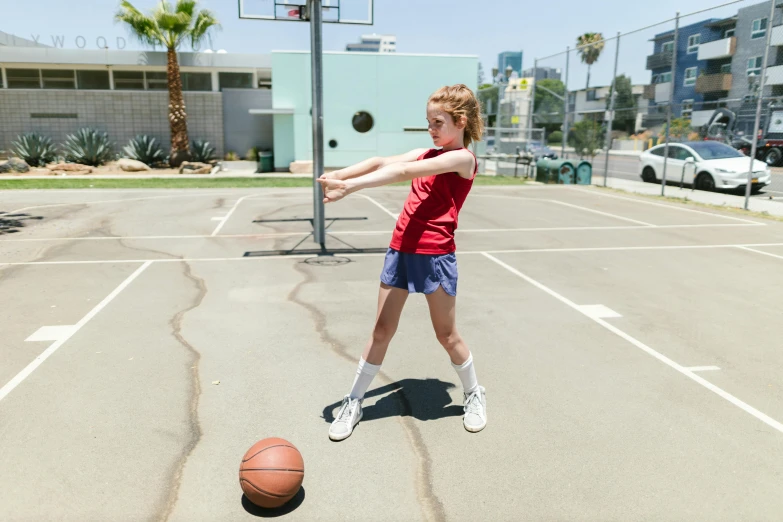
444, 131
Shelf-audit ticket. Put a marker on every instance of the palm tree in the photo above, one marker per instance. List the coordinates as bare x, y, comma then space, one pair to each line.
169, 26
589, 46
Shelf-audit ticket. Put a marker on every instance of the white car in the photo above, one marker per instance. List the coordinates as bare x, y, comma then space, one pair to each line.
709, 165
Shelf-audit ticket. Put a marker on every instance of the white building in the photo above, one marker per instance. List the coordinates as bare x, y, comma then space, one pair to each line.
591, 103
374, 43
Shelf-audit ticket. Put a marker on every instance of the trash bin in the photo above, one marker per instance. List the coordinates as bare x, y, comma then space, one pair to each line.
543, 171
563, 172
266, 161
584, 173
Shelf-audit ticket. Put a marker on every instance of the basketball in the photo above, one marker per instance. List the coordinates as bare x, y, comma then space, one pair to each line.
271, 472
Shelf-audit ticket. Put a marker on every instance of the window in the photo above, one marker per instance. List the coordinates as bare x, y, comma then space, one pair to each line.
758, 29
229, 80
687, 107
658, 151
362, 121
679, 153
725, 68
728, 33
654, 79
156, 81
665, 77
196, 81
591, 96
23, 78
754, 65
58, 79
129, 80
667, 47
95, 80
690, 76
693, 43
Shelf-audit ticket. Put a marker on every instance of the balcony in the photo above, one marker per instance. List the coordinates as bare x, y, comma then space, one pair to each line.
777, 35
718, 49
659, 60
775, 75
713, 83
662, 92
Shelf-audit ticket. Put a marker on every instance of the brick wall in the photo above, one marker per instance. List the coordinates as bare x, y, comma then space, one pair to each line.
123, 114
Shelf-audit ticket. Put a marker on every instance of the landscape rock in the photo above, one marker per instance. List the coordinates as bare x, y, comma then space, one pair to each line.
14, 165
195, 167
130, 165
75, 168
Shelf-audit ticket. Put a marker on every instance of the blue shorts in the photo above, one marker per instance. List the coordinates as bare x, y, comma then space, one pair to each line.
420, 273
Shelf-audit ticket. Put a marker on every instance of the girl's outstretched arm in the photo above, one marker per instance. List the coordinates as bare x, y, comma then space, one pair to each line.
460, 161
372, 164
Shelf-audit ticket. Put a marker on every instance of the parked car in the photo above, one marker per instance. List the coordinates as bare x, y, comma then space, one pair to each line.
540, 150
709, 165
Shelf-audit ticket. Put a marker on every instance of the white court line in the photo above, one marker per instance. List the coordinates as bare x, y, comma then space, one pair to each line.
702, 368
586, 209
373, 232
598, 192
769, 421
744, 247
224, 219
301, 256
371, 200
21, 376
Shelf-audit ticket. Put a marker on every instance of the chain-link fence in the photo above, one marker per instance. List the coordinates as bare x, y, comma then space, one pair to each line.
714, 76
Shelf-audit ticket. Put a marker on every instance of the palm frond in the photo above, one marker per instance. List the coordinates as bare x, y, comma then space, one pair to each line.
143, 27
205, 20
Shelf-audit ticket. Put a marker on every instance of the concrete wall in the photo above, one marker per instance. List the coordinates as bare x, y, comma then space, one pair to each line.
243, 130
393, 88
122, 114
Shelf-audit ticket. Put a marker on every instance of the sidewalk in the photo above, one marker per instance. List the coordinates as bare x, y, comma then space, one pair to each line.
756, 204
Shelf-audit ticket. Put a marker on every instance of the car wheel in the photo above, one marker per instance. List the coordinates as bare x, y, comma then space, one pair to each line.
705, 182
756, 189
773, 157
648, 175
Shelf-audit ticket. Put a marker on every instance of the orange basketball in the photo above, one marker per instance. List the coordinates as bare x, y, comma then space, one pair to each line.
271, 472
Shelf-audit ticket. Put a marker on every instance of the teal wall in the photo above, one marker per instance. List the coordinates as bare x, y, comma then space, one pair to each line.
393, 88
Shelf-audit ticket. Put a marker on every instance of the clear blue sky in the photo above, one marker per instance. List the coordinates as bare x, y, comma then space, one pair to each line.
422, 26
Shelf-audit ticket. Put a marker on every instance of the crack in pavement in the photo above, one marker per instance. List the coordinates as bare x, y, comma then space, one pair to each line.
431, 506
195, 394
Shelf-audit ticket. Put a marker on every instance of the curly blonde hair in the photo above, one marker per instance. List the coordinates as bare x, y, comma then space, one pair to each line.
458, 100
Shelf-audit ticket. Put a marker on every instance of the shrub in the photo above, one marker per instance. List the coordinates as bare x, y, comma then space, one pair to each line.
232, 156
35, 149
88, 147
252, 154
202, 151
146, 149
555, 137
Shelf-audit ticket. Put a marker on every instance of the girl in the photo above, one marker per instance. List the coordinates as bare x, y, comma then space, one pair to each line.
421, 257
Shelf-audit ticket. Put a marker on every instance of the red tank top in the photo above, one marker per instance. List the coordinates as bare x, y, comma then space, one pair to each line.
428, 220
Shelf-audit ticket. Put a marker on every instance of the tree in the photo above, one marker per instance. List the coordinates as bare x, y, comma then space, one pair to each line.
169, 26
625, 106
589, 46
548, 109
681, 128
586, 138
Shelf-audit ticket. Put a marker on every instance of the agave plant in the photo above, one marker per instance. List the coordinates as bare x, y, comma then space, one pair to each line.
37, 150
88, 147
202, 151
146, 149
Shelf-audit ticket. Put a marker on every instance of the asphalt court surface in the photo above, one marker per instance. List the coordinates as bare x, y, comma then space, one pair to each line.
629, 347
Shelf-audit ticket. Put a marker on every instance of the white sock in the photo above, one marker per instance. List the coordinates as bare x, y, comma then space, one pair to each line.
467, 374
364, 376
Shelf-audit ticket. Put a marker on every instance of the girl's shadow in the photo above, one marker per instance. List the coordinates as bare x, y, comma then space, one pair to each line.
423, 399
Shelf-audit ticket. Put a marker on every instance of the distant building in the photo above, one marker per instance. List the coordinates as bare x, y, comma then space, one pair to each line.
543, 73
512, 58
374, 43
591, 104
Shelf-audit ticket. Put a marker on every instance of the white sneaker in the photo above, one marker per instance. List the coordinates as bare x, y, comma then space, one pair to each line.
475, 418
349, 416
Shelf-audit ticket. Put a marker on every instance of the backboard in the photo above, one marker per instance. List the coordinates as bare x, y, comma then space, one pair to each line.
334, 11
